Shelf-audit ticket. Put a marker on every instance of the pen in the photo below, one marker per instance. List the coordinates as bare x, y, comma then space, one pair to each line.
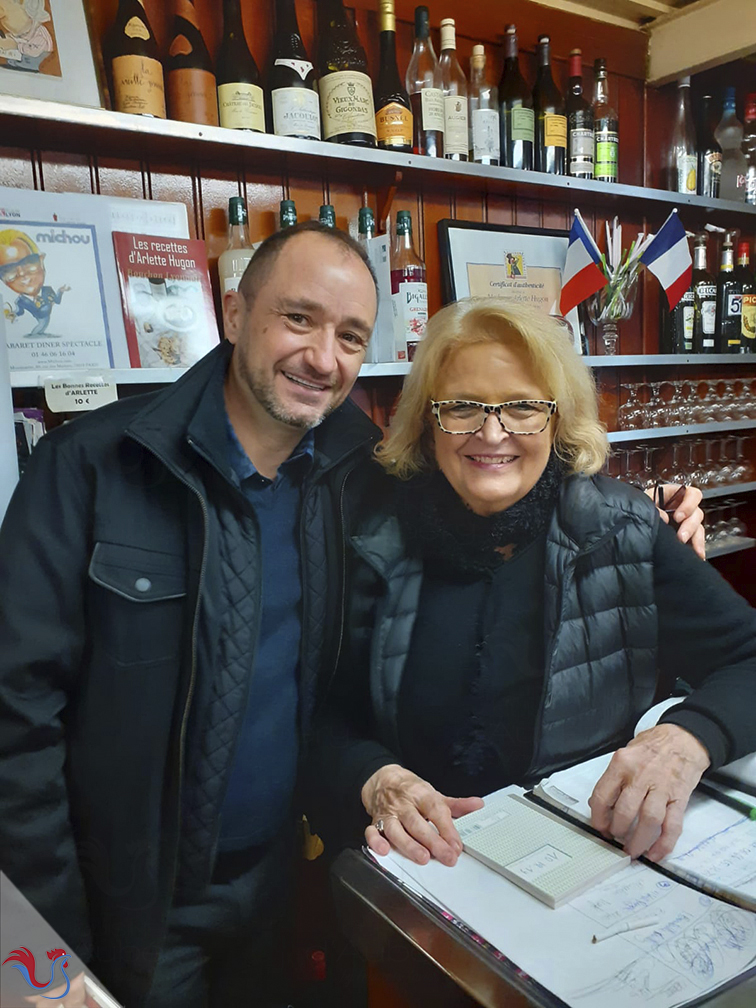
627, 926
735, 803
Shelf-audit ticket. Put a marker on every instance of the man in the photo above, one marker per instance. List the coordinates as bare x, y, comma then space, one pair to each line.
173, 575
160, 648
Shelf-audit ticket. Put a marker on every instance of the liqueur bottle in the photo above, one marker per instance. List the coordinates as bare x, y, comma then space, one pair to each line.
233, 262
346, 92
327, 215
745, 276
240, 96
580, 139
295, 109
483, 112
136, 70
365, 225
424, 88
393, 113
749, 149
287, 214
409, 290
683, 158
606, 128
517, 121
190, 81
729, 293
677, 325
709, 152
729, 133
550, 120
454, 86
704, 298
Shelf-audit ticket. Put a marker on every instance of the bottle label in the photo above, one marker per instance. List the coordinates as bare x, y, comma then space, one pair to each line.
708, 314
581, 151
734, 304
555, 130
523, 124
686, 168
181, 46
432, 104
410, 306
750, 186
455, 125
689, 314
138, 86
607, 155
393, 124
241, 106
302, 67
296, 111
135, 28
346, 100
192, 96
714, 161
485, 132
748, 317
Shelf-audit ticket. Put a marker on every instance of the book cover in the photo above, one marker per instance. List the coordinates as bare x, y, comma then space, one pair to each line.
167, 300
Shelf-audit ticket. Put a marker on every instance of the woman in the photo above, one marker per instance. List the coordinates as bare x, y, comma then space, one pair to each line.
516, 611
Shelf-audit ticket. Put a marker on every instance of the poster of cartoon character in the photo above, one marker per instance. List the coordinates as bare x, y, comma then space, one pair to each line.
27, 37
51, 288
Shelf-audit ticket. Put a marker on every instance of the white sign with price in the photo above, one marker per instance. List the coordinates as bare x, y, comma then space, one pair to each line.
72, 395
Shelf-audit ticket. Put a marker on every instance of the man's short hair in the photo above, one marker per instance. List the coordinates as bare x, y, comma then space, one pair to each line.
262, 262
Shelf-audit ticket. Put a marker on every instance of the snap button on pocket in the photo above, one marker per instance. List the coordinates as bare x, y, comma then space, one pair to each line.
143, 584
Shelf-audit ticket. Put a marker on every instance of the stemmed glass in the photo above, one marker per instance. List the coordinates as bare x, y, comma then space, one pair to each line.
630, 413
673, 409
743, 471
674, 471
704, 411
736, 527
653, 409
727, 468
708, 471
646, 476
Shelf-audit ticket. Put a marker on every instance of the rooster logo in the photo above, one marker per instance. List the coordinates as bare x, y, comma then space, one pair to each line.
23, 960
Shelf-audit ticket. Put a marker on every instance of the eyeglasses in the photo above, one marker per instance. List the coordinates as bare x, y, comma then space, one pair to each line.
520, 416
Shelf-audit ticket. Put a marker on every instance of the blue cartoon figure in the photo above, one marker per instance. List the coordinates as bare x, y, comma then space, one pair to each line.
22, 269
24, 40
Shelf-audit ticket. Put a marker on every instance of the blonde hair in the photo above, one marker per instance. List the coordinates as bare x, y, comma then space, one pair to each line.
579, 437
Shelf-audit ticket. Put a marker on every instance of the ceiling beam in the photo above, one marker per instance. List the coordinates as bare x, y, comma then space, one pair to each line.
704, 35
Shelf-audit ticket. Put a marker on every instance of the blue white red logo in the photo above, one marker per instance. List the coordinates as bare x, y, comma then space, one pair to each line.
23, 960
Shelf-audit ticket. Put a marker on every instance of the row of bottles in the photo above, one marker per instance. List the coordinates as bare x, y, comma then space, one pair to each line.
715, 315
434, 110
408, 280
716, 162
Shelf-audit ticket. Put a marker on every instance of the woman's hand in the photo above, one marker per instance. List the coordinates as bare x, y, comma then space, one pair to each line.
687, 514
651, 779
410, 809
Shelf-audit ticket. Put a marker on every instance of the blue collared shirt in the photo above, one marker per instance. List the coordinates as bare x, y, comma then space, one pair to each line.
261, 781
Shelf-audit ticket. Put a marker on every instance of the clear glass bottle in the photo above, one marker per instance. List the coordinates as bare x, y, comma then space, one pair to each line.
454, 86
580, 139
682, 166
749, 148
704, 298
606, 127
409, 289
729, 134
426, 94
483, 109
233, 261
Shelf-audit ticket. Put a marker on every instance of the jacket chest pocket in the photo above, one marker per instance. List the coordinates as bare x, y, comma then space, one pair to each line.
139, 603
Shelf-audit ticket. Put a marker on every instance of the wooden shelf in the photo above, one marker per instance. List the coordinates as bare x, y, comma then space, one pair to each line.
734, 545
728, 491
648, 433
49, 125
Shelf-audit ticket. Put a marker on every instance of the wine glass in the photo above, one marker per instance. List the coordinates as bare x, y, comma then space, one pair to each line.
630, 413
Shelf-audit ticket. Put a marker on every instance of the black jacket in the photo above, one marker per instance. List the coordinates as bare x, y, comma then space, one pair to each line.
109, 567
608, 612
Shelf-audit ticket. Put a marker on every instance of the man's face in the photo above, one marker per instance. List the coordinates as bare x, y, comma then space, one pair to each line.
302, 340
27, 277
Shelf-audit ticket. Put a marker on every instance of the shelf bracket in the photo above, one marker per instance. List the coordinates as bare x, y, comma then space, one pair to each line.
385, 200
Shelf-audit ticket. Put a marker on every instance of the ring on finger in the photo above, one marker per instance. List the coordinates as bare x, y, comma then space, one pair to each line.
380, 824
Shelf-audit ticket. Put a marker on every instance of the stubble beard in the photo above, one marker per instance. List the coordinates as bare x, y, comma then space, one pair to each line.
264, 392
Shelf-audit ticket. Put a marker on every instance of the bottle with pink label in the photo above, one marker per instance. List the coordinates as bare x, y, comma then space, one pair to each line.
409, 290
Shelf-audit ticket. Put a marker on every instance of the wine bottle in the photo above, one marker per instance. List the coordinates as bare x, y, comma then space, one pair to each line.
728, 301
454, 86
409, 290
189, 70
346, 92
745, 277
287, 213
240, 96
704, 298
709, 153
423, 82
516, 115
365, 225
677, 325
327, 215
580, 139
295, 109
550, 121
606, 128
136, 70
729, 134
749, 148
393, 113
683, 158
483, 111
233, 261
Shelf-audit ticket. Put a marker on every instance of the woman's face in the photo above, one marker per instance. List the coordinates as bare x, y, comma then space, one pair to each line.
491, 469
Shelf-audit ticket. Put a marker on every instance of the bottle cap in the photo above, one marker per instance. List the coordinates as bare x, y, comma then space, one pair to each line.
365, 220
288, 212
237, 211
327, 215
478, 56
404, 222
744, 248
386, 15
683, 82
599, 64
422, 22
510, 29
576, 62
729, 97
448, 34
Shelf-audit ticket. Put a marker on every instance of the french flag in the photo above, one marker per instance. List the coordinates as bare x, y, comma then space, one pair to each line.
582, 274
668, 258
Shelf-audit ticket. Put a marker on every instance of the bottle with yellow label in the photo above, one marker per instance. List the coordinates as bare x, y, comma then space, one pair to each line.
346, 91
550, 118
189, 70
393, 112
683, 154
241, 102
135, 68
